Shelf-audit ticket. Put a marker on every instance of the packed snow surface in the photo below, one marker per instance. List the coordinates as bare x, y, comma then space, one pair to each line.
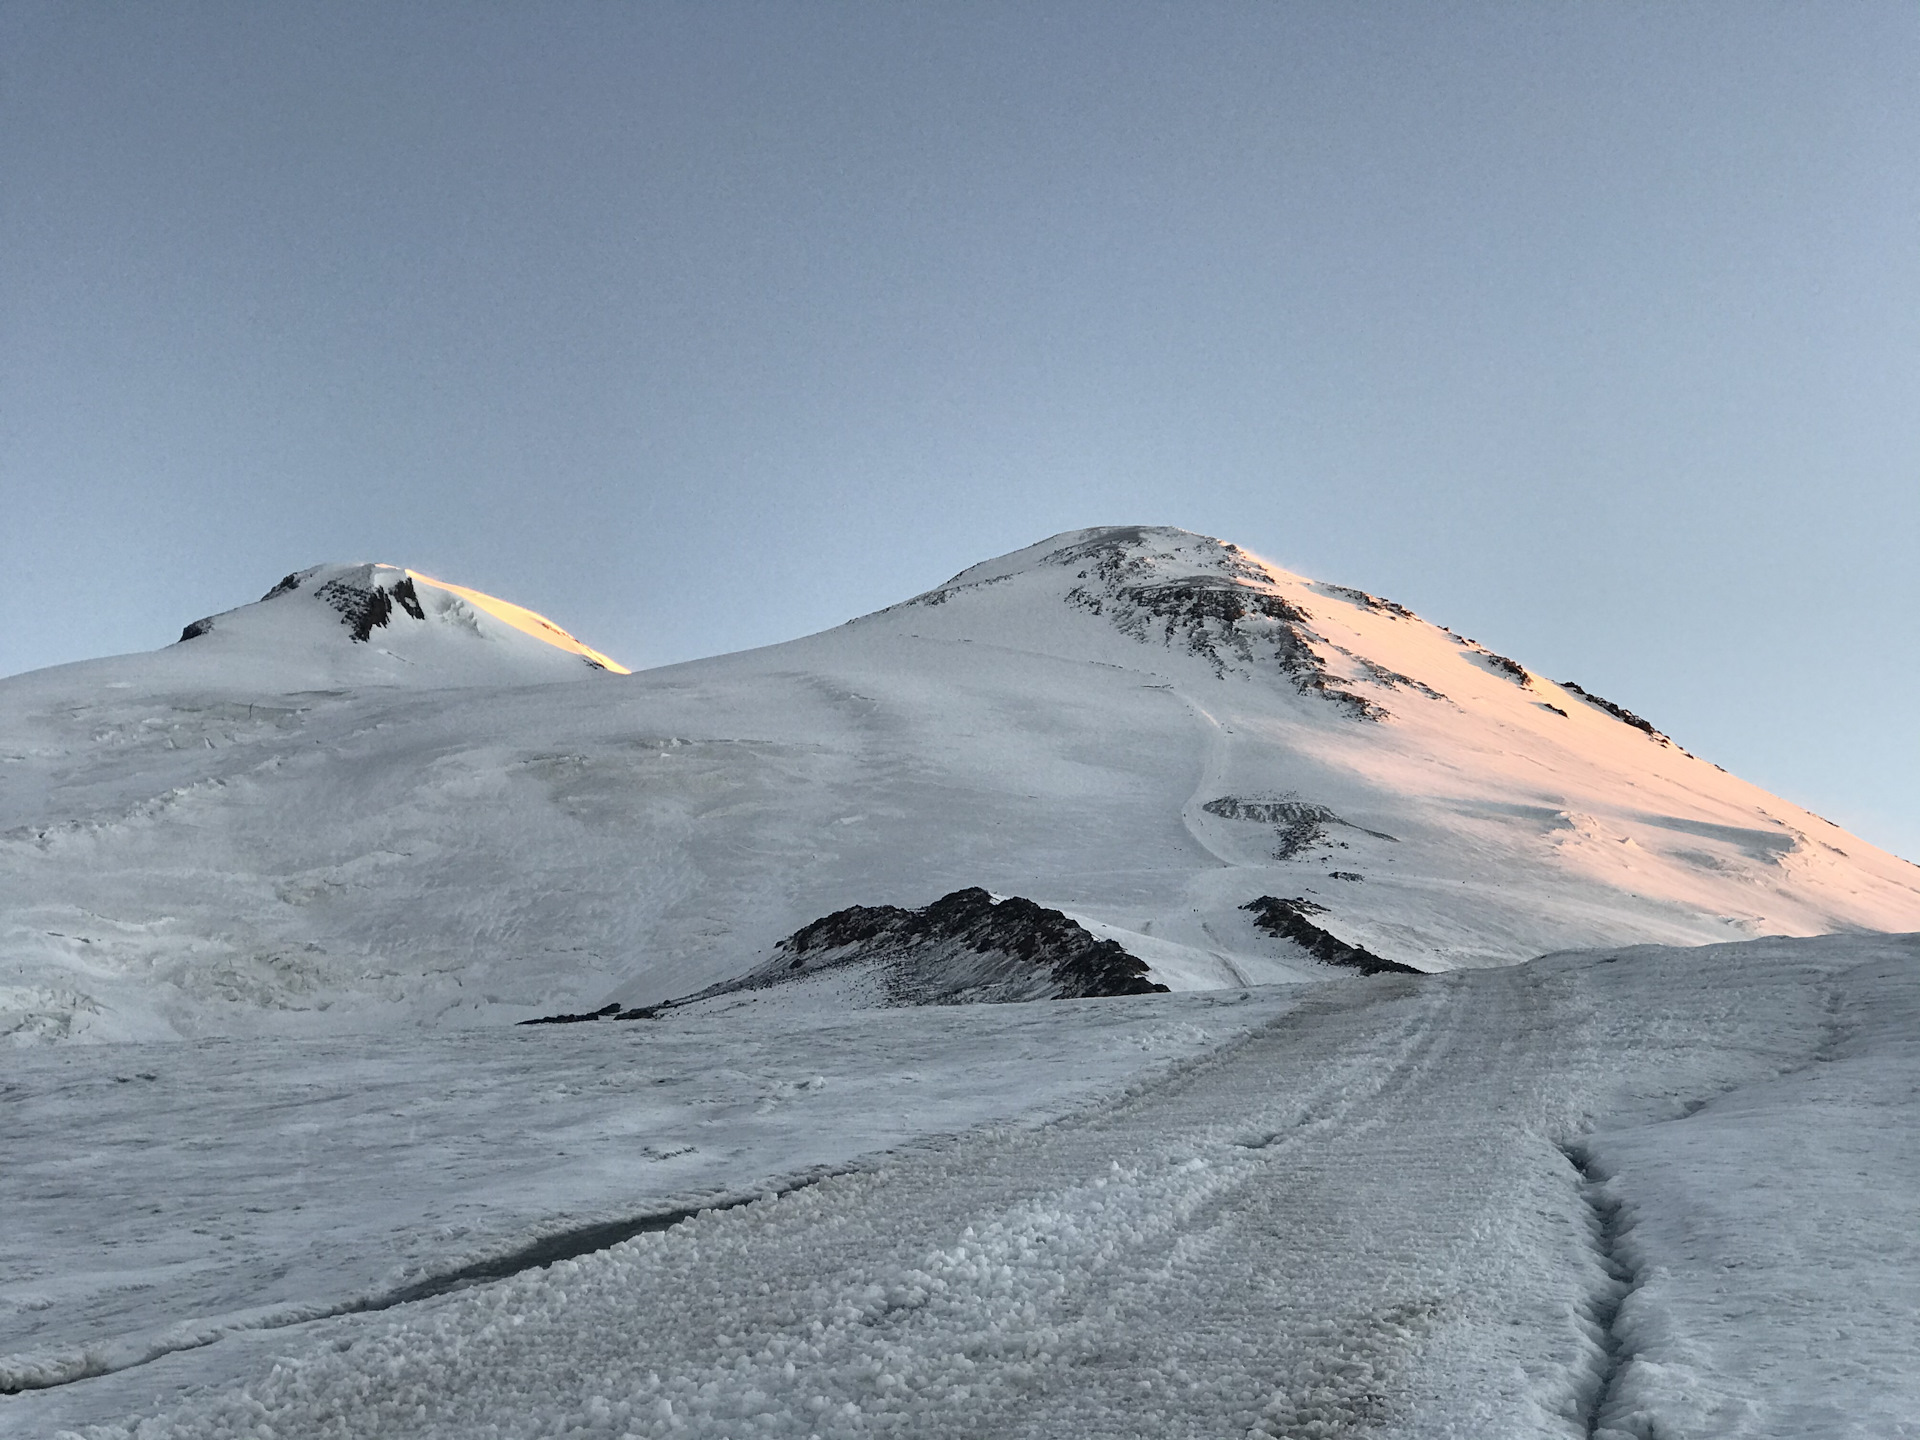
1635, 1193
280, 827
235, 1185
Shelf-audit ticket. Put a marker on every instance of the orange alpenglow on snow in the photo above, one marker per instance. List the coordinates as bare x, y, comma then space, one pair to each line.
523, 619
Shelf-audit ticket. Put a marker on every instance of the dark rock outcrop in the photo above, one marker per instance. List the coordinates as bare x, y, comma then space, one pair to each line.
966, 948
367, 607
1375, 603
1289, 920
1232, 619
1076, 963
1299, 825
1619, 712
605, 1012
1228, 616
1501, 665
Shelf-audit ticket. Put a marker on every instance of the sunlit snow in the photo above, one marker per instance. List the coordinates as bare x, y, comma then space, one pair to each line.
524, 620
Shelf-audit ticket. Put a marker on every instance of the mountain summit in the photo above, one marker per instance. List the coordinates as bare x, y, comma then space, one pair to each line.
1205, 600
416, 629
327, 810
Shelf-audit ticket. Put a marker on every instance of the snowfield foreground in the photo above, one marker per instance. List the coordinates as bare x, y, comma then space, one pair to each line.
1649, 1192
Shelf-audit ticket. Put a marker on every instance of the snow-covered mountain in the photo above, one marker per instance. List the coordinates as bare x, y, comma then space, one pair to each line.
404, 628
367, 799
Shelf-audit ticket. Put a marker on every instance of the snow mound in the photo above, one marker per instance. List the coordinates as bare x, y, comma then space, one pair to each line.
414, 628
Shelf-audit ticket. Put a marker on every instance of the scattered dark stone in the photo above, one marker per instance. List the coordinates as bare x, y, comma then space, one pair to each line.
1371, 602
1357, 706
1554, 708
1287, 920
1619, 712
1297, 838
1215, 617
1299, 824
605, 1012
1394, 680
1344, 875
364, 609
1270, 812
1512, 669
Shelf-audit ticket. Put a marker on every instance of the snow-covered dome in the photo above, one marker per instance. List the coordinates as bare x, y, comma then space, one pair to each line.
372, 624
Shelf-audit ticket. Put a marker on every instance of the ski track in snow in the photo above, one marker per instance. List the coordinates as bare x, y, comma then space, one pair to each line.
1359, 1219
1613, 1285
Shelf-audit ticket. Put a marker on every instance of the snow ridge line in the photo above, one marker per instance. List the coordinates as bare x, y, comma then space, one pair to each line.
1606, 1227
47, 1370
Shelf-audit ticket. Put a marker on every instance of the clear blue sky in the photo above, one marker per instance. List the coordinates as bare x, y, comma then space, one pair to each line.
1590, 330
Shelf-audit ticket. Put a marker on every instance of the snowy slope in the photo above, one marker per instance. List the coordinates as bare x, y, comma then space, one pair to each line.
364, 625
1623, 1194
275, 827
163, 1197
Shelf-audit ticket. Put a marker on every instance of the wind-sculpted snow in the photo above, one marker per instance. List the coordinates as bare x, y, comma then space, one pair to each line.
1360, 1219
